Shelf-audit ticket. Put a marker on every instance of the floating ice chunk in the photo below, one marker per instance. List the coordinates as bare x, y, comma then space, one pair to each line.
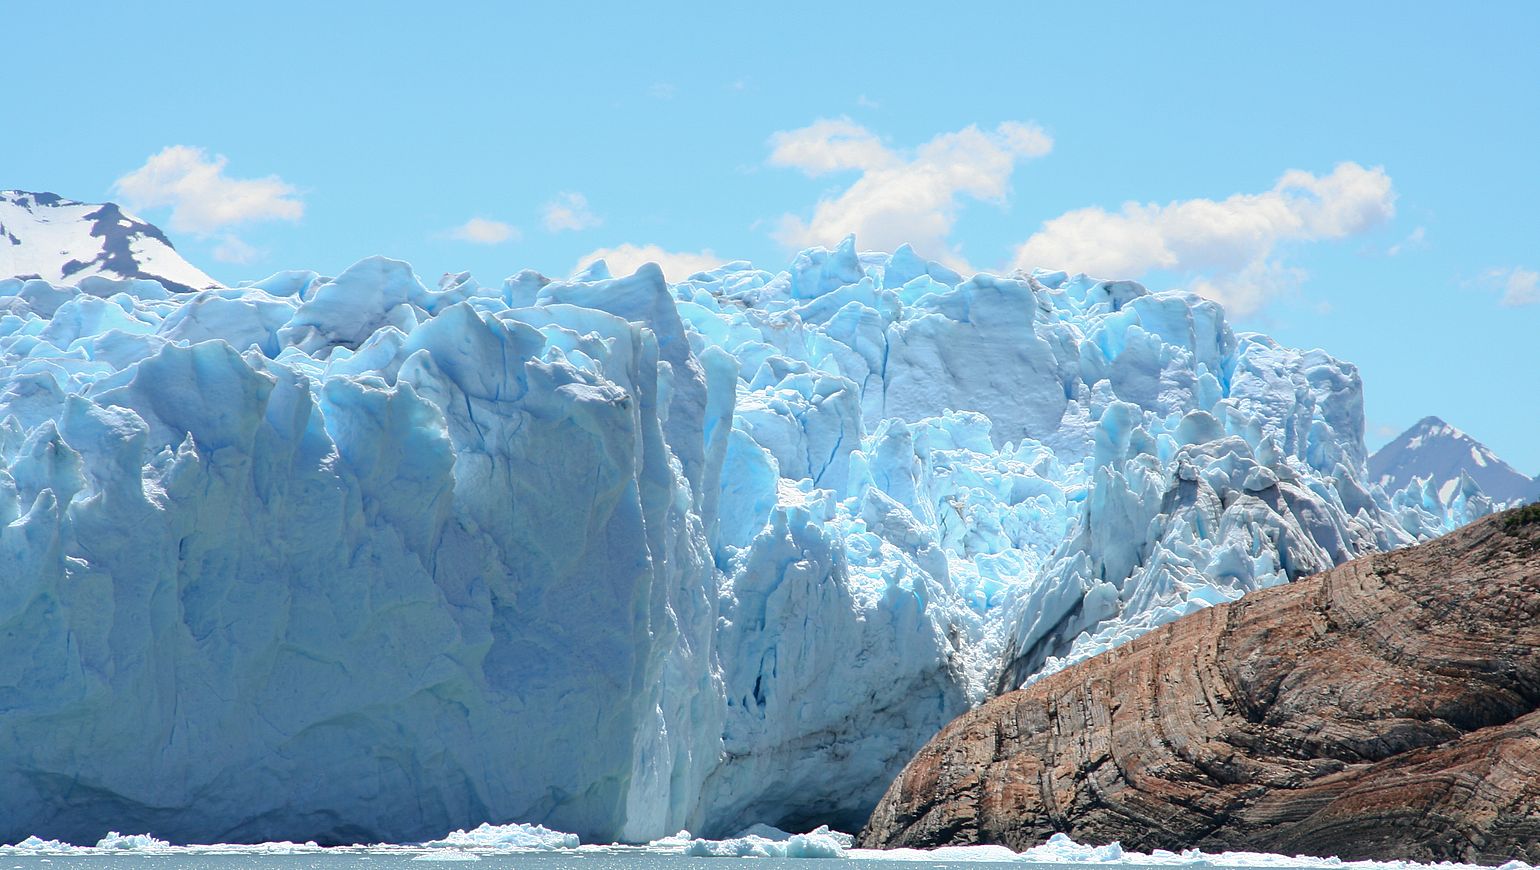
763, 841
676, 841
132, 842
37, 844
1061, 849
507, 837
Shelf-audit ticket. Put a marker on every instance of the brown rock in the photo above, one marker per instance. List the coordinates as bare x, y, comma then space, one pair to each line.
1388, 708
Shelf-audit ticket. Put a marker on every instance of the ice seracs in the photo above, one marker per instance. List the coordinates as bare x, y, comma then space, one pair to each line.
352, 558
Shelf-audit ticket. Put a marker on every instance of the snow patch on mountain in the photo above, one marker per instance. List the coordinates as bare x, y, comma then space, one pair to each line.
59, 240
1437, 458
349, 558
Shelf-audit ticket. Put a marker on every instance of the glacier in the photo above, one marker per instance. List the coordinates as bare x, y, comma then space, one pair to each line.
351, 558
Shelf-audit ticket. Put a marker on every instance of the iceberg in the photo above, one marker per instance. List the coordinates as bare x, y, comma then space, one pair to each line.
763, 841
352, 559
124, 842
516, 837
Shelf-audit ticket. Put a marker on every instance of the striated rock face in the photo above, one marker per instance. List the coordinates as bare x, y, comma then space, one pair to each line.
1386, 708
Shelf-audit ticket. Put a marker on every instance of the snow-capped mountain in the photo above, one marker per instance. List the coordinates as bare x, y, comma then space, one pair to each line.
1438, 453
45, 236
354, 559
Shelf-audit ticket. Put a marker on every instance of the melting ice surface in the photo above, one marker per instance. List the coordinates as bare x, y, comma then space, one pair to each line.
531, 847
352, 559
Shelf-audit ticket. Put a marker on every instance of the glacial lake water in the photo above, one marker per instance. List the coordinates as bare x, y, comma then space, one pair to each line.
531, 847
519, 861
631, 860
612, 860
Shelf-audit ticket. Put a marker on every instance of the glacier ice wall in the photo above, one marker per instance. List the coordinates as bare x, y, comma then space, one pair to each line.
349, 558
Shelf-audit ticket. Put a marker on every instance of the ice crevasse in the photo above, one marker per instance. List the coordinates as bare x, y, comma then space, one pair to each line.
353, 559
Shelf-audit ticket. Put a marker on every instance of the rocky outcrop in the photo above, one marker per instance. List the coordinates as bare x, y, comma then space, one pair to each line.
1387, 708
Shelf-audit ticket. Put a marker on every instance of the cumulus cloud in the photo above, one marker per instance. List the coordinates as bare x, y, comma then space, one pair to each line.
482, 231
901, 196
1226, 248
627, 258
203, 199
1520, 286
829, 145
569, 211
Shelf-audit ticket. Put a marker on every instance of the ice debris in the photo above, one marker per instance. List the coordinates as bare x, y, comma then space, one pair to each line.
758, 842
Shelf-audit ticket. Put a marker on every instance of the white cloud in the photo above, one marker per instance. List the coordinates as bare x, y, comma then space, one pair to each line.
482, 231
232, 250
627, 258
569, 211
1520, 286
1226, 248
829, 145
661, 91
1412, 242
901, 196
202, 198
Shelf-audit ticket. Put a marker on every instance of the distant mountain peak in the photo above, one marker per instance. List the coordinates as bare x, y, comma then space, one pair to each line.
1436, 451
44, 235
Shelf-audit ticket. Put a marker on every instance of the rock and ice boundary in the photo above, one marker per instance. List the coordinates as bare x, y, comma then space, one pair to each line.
352, 559
1386, 708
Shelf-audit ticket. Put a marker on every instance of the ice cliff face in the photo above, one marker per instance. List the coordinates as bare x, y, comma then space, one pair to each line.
348, 558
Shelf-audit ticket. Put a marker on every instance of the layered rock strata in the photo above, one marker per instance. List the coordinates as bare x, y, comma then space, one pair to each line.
1387, 708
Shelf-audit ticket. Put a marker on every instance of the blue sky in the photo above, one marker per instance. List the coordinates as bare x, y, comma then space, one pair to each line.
1406, 238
